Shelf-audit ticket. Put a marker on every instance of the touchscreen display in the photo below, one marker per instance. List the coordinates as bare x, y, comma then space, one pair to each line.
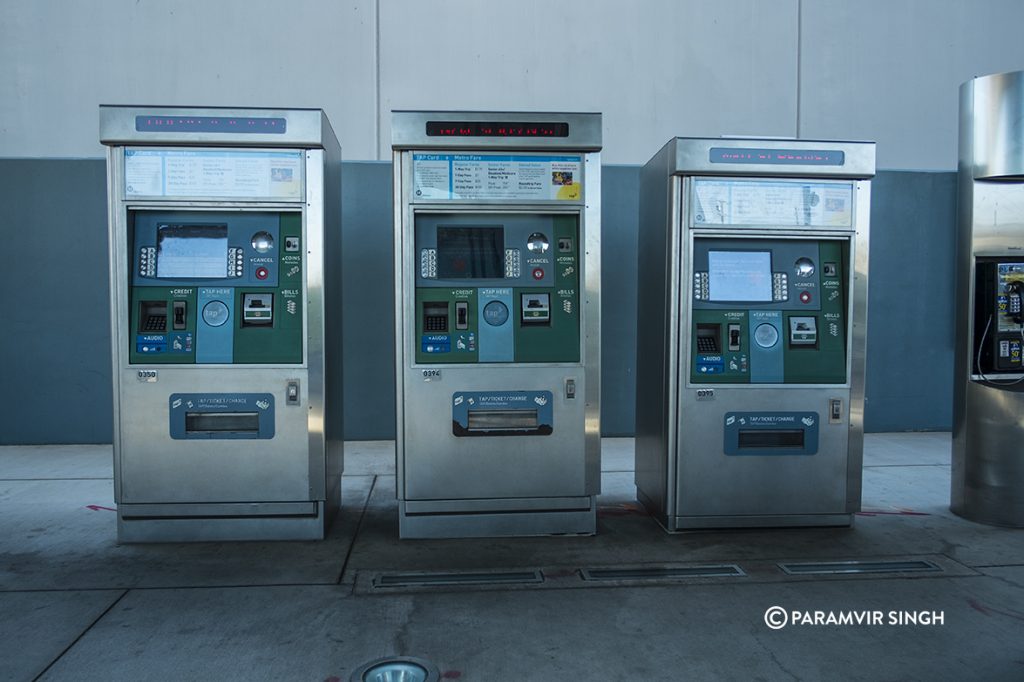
470, 252
196, 251
739, 276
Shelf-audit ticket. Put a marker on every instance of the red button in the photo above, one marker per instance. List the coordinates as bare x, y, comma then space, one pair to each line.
261, 273
538, 273
805, 297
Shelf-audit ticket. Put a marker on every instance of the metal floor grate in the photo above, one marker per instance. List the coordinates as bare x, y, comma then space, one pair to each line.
432, 579
855, 567
716, 571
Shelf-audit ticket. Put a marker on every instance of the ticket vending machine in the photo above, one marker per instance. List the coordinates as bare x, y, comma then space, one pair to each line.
497, 285
222, 223
753, 260
988, 386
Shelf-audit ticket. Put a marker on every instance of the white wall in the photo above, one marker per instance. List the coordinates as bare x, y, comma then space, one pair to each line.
61, 59
890, 70
886, 70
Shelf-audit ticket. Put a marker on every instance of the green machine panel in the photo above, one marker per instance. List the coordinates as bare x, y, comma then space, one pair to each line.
216, 287
497, 288
769, 311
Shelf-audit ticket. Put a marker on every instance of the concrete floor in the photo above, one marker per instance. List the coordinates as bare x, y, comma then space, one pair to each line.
75, 605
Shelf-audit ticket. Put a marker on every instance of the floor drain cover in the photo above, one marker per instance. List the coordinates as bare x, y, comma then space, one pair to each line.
841, 567
718, 571
431, 579
397, 669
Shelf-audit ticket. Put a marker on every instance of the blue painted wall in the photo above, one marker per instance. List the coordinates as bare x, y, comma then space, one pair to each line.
55, 336
910, 302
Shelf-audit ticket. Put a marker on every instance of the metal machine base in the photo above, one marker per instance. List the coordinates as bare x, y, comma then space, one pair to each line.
787, 521
226, 522
675, 524
416, 522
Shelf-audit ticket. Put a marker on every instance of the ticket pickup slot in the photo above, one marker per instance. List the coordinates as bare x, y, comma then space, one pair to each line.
502, 420
211, 424
512, 413
206, 416
771, 433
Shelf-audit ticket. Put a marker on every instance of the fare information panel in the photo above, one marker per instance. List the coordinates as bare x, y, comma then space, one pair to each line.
775, 203
455, 177
211, 173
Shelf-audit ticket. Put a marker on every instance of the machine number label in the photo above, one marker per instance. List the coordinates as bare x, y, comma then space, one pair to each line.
705, 394
148, 376
431, 375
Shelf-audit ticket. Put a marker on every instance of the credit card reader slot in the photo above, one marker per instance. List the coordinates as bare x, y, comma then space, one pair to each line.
180, 308
462, 314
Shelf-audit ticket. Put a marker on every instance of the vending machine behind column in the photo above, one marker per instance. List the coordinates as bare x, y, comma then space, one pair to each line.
497, 284
222, 223
753, 262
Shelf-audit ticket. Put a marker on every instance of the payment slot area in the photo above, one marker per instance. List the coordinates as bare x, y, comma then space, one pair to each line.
497, 288
750, 358
988, 387
205, 284
218, 249
773, 310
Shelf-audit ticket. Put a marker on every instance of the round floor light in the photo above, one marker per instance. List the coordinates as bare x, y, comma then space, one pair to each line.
397, 669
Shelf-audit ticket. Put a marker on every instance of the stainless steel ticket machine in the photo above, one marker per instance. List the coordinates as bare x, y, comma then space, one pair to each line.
753, 262
497, 284
222, 222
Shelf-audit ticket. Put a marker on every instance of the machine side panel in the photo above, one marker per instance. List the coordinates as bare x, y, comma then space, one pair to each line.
653, 316
334, 413
590, 262
858, 335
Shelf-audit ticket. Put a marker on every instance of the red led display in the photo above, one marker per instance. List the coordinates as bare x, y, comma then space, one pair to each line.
507, 129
